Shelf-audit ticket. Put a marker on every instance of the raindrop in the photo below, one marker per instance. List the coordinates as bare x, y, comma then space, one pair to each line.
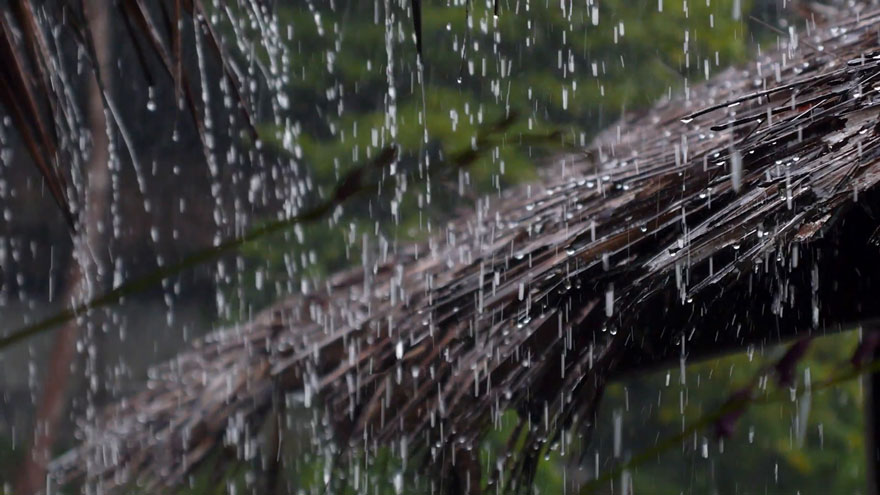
609, 300
151, 98
736, 170
398, 482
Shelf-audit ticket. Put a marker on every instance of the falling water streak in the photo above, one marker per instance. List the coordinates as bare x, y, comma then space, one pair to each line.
736, 170
391, 97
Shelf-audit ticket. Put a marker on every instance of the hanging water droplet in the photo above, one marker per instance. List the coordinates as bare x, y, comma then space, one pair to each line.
609, 300
151, 98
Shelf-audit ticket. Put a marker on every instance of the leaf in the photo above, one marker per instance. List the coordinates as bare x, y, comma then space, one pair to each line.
20, 101
197, 8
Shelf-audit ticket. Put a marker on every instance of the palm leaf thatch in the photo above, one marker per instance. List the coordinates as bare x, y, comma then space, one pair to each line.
35, 95
743, 214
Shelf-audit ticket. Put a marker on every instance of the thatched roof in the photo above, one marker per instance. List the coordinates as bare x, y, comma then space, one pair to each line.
742, 214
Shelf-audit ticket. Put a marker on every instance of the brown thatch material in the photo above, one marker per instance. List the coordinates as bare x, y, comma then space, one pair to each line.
34, 94
743, 214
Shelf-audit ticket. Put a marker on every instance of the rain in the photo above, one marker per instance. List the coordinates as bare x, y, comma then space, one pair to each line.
436, 247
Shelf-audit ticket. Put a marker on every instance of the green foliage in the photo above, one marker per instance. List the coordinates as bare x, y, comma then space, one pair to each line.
764, 455
478, 66
9, 458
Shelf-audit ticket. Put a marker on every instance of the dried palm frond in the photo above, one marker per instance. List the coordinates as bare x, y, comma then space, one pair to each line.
745, 213
35, 95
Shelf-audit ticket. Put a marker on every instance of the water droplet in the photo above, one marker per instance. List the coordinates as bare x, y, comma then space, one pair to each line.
398, 482
609, 300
